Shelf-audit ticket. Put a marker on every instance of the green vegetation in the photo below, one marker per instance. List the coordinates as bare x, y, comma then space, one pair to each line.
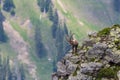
115, 26
92, 59
12, 12
78, 62
104, 32
8, 71
9, 6
3, 37
106, 72
110, 72
118, 47
51, 12
78, 25
44, 5
7, 50
40, 48
75, 72
21, 31
117, 43
42, 41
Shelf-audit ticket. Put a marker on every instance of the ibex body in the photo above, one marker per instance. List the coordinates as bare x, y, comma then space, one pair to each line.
73, 42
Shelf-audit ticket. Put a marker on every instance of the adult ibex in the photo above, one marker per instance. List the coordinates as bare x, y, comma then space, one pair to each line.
73, 42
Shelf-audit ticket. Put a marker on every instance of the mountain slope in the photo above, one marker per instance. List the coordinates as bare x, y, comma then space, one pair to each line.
36, 30
98, 58
88, 15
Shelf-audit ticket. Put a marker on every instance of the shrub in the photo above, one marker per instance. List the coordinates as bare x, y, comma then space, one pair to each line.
118, 47
75, 73
104, 32
115, 26
106, 72
117, 42
12, 12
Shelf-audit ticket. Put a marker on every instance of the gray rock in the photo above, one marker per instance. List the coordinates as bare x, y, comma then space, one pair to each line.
61, 67
92, 34
80, 77
112, 57
88, 42
67, 62
74, 59
67, 56
118, 75
97, 51
55, 78
90, 67
100, 46
71, 68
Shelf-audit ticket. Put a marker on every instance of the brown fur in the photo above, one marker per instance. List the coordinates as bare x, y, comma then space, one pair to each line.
74, 43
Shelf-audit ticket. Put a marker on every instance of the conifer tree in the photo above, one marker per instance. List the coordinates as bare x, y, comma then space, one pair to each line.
55, 24
47, 4
40, 48
51, 12
3, 37
22, 73
41, 4
8, 5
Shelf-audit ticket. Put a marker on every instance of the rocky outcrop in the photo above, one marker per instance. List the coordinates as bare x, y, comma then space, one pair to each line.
98, 58
90, 67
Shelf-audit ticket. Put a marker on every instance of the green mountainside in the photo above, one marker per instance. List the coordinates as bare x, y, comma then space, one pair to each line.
33, 31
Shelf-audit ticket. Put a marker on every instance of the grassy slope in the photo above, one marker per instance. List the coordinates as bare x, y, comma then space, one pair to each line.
77, 25
86, 15
6, 50
29, 10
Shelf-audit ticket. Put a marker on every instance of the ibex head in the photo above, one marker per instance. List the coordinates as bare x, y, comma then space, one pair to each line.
69, 38
72, 41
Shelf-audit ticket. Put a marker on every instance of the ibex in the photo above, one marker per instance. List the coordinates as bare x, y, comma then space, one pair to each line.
73, 42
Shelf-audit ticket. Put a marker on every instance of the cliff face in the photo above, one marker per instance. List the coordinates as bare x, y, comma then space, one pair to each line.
97, 59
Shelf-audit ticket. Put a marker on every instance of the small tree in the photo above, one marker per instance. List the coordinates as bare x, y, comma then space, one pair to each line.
50, 12
47, 4
56, 18
40, 48
55, 24
12, 12
3, 37
8, 5
22, 73
41, 4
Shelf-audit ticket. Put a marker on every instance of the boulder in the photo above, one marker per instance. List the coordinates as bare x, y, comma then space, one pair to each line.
61, 67
74, 59
112, 57
55, 78
90, 67
97, 51
88, 42
71, 68
67, 56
